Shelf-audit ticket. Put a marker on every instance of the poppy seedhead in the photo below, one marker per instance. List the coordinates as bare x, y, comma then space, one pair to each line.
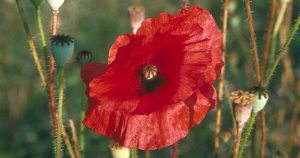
242, 106
158, 83
62, 48
83, 57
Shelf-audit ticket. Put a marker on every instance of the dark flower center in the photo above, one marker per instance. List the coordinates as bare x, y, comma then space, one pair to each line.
150, 78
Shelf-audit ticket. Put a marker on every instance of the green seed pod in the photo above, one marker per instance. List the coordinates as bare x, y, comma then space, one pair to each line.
36, 3
62, 48
260, 101
83, 57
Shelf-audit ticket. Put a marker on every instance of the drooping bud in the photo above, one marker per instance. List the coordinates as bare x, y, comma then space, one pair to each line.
260, 101
55, 4
83, 57
242, 106
119, 151
62, 48
36, 3
136, 17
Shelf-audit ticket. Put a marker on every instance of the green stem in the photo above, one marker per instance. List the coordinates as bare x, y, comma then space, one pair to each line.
282, 51
60, 113
276, 30
247, 134
133, 153
42, 34
31, 43
82, 115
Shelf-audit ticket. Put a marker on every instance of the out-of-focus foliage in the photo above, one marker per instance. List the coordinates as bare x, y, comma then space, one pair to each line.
25, 126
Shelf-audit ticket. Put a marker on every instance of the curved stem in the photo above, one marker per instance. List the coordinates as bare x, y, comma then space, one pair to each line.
247, 134
282, 51
42, 34
31, 44
253, 42
59, 112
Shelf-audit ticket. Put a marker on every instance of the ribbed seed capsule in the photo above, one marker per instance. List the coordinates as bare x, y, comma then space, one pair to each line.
242, 106
150, 72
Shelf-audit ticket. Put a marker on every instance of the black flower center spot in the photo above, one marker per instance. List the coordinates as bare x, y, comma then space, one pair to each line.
150, 78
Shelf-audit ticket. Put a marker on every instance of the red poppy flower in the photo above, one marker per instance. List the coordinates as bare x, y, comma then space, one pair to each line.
159, 82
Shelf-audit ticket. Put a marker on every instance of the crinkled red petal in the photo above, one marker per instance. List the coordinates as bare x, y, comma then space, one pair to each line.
155, 130
186, 48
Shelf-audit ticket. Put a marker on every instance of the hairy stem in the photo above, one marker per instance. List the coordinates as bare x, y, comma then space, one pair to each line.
42, 34
60, 112
263, 133
247, 134
51, 85
268, 37
31, 44
221, 81
253, 42
75, 138
282, 51
67, 142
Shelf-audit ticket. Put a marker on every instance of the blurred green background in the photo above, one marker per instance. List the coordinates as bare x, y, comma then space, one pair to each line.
25, 126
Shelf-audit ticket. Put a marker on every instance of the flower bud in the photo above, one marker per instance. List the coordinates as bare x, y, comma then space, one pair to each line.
242, 106
136, 17
55, 4
36, 3
62, 48
119, 151
83, 57
260, 101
